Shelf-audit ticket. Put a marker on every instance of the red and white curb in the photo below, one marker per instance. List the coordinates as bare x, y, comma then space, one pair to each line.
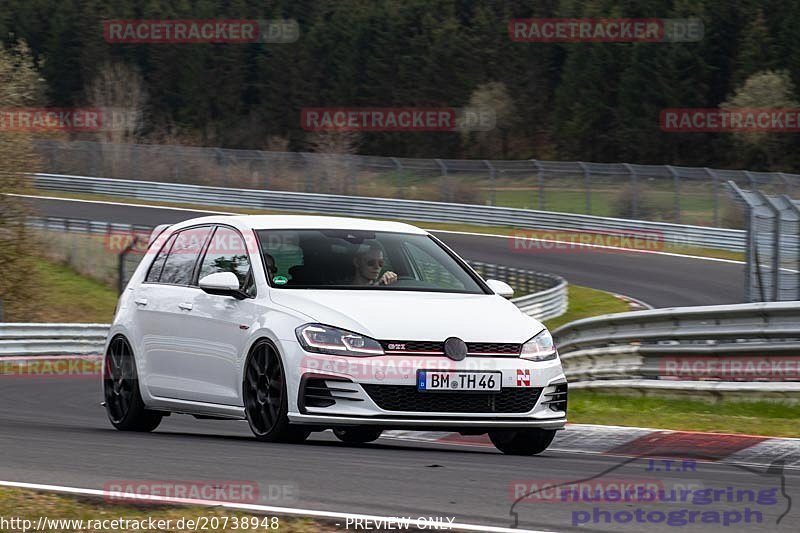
644, 442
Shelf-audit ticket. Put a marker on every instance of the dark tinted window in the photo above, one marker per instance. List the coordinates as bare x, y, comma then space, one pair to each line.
183, 256
228, 253
346, 259
158, 263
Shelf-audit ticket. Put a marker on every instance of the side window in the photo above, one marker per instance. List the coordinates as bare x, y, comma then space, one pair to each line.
228, 253
179, 266
158, 263
282, 253
431, 270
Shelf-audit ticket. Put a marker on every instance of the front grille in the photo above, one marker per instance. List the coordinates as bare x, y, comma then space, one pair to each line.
408, 398
473, 348
495, 348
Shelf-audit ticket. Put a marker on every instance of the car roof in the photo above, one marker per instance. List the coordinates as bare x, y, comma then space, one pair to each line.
258, 222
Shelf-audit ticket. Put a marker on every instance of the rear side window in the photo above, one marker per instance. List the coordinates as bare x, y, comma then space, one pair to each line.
158, 264
179, 266
228, 253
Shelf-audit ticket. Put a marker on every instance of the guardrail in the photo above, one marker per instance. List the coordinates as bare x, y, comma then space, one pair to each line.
676, 194
31, 339
483, 215
545, 295
728, 350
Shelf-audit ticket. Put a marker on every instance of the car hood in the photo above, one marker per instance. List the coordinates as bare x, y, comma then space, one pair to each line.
422, 316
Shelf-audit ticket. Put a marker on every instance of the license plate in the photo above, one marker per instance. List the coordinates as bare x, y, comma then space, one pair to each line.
431, 380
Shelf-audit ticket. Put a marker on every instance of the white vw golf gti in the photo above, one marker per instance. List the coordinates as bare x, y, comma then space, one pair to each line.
301, 324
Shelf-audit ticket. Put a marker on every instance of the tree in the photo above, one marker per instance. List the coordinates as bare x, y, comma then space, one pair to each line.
119, 91
768, 89
494, 98
20, 87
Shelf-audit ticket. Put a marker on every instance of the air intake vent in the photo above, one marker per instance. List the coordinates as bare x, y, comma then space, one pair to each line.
408, 398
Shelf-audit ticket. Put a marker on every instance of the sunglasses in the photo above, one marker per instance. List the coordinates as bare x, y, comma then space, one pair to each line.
375, 262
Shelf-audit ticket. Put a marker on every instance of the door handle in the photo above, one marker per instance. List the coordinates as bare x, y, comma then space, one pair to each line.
186, 306
140, 301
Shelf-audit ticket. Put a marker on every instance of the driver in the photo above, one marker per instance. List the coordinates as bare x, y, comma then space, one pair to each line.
368, 263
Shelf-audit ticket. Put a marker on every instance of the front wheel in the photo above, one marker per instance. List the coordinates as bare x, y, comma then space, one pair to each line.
123, 401
266, 398
358, 434
522, 441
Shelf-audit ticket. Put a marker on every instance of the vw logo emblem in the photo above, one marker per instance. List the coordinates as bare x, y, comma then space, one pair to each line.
455, 349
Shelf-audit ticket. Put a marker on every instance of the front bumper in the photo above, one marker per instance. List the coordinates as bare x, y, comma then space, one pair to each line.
352, 385
420, 423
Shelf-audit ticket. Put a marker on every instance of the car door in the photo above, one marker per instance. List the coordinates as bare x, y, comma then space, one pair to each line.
163, 313
220, 324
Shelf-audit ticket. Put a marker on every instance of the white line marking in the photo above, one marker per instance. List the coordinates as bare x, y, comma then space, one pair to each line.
421, 524
494, 235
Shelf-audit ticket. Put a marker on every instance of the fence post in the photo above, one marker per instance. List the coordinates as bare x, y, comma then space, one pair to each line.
586, 187
398, 177
121, 263
787, 187
634, 188
309, 178
445, 181
776, 244
715, 191
677, 181
540, 178
1, 310
492, 176
795, 207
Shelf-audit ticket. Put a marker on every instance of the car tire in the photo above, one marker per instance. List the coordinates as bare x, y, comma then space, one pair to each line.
522, 441
357, 434
265, 394
123, 400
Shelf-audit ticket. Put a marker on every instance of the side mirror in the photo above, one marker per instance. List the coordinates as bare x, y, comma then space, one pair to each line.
222, 284
500, 287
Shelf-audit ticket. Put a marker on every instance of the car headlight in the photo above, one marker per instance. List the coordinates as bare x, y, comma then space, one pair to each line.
318, 338
539, 348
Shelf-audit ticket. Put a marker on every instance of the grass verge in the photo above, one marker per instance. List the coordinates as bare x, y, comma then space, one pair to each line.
31, 505
585, 302
753, 418
69, 297
650, 242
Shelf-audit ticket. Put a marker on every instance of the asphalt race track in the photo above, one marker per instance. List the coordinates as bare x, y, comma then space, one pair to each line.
54, 431
659, 280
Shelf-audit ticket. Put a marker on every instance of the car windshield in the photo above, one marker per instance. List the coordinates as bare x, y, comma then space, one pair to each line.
348, 259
